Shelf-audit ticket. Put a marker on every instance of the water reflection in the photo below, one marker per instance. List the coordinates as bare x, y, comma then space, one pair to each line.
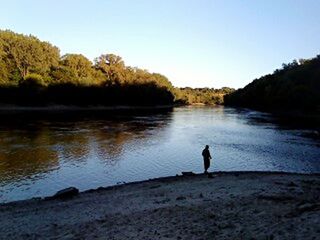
25, 153
37, 146
40, 155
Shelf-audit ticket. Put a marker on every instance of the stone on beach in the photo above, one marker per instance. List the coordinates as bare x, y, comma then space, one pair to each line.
66, 193
188, 174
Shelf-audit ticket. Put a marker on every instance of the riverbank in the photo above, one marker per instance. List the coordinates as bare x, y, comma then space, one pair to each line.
236, 205
16, 108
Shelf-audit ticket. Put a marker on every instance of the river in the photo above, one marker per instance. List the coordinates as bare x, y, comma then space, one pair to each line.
40, 155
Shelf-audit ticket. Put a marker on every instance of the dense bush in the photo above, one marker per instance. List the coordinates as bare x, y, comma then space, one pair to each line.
33, 80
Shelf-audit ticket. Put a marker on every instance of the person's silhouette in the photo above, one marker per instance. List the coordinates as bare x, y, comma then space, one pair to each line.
206, 158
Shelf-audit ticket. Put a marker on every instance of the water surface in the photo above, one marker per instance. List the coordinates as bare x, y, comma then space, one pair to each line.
41, 155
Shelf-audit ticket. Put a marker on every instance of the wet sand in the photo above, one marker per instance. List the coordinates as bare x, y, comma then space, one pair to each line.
235, 205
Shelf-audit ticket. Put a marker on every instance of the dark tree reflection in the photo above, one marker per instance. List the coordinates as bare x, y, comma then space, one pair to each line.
31, 144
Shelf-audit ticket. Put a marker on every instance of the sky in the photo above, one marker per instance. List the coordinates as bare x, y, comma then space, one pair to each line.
196, 43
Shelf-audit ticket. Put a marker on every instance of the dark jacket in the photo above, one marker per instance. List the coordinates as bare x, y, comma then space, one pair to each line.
206, 153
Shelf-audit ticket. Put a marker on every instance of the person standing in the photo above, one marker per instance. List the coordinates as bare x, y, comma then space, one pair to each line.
206, 158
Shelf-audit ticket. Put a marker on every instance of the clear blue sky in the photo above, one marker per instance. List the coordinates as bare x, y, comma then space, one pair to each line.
198, 43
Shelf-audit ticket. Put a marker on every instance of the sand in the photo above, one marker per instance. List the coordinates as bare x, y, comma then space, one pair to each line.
244, 205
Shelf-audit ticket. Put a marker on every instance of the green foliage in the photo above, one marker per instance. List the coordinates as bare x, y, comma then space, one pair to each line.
112, 67
62, 75
296, 86
115, 72
29, 63
33, 80
78, 64
207, 96
4, 73
26, 54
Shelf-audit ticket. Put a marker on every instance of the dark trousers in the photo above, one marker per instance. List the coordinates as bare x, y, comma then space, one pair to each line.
206, 162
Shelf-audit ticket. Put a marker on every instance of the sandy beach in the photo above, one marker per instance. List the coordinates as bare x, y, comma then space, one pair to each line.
235, 205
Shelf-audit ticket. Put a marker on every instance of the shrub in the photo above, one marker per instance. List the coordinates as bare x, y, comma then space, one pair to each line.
33, 80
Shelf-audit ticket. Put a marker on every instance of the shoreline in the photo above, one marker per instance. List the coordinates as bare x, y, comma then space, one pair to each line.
17, 108
61, 107
262, 205
166, 178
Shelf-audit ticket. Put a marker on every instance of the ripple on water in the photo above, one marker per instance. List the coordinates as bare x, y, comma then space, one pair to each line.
41, 158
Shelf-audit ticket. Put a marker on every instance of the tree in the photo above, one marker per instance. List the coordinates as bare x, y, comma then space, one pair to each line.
28, 53
41, 77
78, 64
112, 66
294, 87
62, 75
4, 73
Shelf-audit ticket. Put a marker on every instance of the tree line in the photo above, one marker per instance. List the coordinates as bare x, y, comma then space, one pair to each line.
294, 87
207, 96
32, 72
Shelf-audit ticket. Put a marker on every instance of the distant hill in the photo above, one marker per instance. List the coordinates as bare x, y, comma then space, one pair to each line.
294, 87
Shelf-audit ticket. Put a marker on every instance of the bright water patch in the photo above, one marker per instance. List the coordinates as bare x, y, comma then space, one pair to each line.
41, 156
